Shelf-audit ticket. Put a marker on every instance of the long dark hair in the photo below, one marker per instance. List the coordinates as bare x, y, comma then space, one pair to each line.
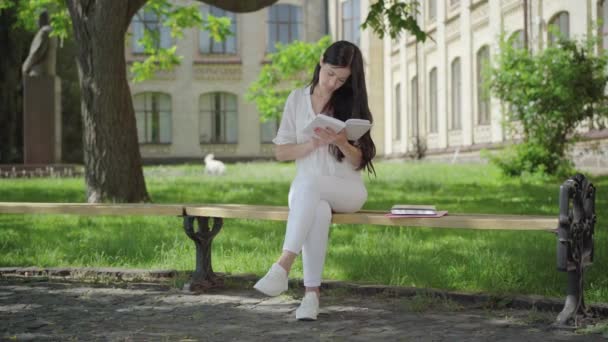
350, 100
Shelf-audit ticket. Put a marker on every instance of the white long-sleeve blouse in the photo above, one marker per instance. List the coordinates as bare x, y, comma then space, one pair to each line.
297, 114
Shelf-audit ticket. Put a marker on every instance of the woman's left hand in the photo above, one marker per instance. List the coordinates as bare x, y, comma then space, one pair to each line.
329, 136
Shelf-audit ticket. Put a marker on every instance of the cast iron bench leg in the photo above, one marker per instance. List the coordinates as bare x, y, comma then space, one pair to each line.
575, 243
203, 278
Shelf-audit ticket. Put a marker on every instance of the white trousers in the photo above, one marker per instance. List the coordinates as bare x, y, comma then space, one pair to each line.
311, 202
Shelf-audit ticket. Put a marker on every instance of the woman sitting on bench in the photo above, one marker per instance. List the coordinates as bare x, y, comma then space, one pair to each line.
328, 168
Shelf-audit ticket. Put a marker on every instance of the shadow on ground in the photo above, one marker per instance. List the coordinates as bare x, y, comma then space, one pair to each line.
61, 310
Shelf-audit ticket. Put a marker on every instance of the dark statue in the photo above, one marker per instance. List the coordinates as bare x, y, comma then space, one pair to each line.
41, 99
41, 60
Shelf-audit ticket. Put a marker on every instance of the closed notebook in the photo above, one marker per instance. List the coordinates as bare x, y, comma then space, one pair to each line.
413, 209
355, 128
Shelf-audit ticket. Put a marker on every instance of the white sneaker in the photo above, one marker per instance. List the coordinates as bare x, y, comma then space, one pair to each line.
309, 308
274, 282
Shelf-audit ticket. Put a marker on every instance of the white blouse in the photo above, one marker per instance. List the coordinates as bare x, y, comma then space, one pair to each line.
297, 114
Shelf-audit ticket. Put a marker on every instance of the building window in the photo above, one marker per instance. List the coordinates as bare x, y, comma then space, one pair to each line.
284, 25
269, 130
153, 117
517, 39
207, 45
483, 94
218, 123
152, 22
433, 126
351, 20
397, 113
432, 10
413, 127
456, 103
602, 11
561, 23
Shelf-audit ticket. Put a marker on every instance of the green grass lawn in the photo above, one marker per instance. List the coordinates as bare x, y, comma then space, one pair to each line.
471, 260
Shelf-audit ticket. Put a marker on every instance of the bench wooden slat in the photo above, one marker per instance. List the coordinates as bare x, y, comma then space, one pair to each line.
279, 213
469, 221
242, 211
91, 208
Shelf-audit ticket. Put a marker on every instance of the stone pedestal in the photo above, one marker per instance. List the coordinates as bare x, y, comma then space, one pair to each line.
42, 120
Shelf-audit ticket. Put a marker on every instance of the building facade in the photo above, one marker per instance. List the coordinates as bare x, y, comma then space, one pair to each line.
426, 98
435, 101
200, 106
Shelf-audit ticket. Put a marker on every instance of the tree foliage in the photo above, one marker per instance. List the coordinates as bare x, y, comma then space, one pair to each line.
175, 17
28, 11
549, 94
394, 17
290, 67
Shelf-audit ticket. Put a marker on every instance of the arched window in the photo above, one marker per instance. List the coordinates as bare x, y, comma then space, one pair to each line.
207, 45
397, 113
218, 120
153, 116
456, 100
151, 21
284, 25
433, 119
351, 19
517, 39
413, 127
483, 94
561, 23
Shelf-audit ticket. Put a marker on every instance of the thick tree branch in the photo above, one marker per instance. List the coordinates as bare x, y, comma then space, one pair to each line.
133, 7
240, 6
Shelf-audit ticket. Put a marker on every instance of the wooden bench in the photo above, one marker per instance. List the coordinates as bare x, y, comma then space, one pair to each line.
574, 252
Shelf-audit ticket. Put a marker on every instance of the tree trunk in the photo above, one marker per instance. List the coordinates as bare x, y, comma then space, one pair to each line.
113, 168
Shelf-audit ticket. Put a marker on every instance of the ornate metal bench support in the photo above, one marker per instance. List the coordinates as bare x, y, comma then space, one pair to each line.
203, 278
575, 242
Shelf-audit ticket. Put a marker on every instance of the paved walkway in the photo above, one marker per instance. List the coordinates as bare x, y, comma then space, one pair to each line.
61, 310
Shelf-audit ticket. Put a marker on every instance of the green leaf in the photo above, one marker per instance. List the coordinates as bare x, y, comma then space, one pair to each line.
6, 4
163, 59
218, 27
176, 18
290, 67
400, 16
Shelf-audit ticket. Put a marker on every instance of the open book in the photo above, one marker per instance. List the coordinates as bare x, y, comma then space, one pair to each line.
411, 209
355, 128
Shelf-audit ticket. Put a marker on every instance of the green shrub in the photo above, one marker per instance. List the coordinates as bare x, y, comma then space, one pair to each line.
528, 158
548, 95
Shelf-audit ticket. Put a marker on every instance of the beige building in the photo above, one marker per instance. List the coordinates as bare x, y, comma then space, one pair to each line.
200, 106
424, 96
432, 90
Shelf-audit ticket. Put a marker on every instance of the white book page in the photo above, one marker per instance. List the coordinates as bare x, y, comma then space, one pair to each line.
323, 121
355, 128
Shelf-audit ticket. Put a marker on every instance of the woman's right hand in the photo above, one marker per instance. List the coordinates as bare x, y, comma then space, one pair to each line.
316, 143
